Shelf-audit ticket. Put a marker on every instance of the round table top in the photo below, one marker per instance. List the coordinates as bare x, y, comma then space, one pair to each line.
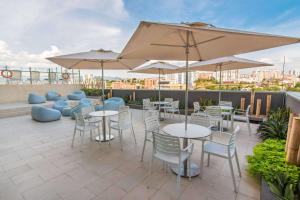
193, 130
103, 113
160, 102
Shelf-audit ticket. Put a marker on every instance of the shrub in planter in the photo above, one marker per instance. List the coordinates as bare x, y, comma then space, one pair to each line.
276, 125
268, 159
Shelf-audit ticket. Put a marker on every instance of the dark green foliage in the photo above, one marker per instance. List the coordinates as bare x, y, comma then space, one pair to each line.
92, 92
276, 125
206, 102
282, 187
268, 159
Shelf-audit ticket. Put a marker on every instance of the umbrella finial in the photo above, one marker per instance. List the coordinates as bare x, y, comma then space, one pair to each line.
103, 51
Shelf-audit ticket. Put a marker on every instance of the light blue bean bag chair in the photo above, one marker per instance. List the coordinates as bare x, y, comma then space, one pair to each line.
60, 105
111, 104
54, 96
77, 95
36, 99
86, 101
44, 114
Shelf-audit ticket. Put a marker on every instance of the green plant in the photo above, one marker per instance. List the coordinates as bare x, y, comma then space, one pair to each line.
268, 159
206, 102
282, 187
126, 98
136, 102
276, 125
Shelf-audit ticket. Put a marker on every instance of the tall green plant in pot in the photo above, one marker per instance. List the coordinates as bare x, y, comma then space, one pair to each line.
276, 125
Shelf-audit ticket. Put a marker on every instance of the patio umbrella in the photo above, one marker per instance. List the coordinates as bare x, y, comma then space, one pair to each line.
195, 41
225, 63
160, 68
96, 59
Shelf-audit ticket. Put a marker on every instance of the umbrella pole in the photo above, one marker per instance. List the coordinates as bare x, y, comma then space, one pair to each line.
186, 78
220, 83
159, 93
102, 83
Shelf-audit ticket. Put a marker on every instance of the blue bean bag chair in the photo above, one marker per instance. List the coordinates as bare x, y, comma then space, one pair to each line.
86, 101
60, 105
36, 99
44, 114
77, 109
66, 111
111, 104
77, 95
52, 96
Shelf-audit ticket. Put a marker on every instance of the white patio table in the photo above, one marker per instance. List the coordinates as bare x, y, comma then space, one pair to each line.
104, 114
193, 131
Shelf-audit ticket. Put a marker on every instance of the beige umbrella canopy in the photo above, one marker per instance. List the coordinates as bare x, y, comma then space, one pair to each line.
160, 68
225, 63
195, 41
96, 59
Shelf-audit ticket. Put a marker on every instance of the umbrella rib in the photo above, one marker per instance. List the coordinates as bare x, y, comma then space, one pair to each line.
197, 50
216, 38
167, 45
125, 64
181, 37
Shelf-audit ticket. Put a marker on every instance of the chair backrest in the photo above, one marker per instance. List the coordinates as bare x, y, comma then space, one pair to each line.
166, 144
86, 110
149, 113
196, 106
146, 103
124, 119
232, 140
175, 104
213, 111
201, 120
225, 103
79, 119
248, 111
124, 109
152, 122
169, 100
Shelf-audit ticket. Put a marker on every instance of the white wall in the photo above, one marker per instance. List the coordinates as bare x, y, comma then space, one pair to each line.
19, 93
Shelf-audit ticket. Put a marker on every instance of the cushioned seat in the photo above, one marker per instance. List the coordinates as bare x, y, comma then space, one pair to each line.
52, 96
111, 104
77, 109
36, 99
44, 114
66, 111
86, 101
60, 105
77, 95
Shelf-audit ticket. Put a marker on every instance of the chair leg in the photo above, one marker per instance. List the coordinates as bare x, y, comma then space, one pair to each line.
82, 137
73, 137
238, 163
144, 146
208, 159
178, 176
232, 174
190, 166
120, 135
249, 128
99, 135
91, 135
202, 158
132, 130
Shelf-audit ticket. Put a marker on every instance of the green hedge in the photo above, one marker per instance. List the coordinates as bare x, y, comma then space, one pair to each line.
268, 160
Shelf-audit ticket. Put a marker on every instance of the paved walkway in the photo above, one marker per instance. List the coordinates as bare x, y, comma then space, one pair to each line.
37, 162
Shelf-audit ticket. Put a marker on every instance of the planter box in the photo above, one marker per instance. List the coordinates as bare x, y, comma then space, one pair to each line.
265, 193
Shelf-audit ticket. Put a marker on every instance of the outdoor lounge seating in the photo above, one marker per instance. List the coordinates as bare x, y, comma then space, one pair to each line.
77, 95
36, 99
52, 96
111, 104
60, 105
44, 114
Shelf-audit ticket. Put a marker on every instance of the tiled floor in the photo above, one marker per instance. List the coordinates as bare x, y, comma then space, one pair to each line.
37, 162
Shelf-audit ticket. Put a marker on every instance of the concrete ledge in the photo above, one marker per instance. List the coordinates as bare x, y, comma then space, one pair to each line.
293, 101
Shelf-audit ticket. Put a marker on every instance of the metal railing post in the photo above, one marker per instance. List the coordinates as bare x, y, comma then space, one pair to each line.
30, 75
49, 76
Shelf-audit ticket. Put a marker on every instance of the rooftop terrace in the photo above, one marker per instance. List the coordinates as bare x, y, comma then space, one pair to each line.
37, 162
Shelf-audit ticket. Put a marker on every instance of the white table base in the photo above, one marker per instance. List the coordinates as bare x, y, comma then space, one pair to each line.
195, 170
106, 139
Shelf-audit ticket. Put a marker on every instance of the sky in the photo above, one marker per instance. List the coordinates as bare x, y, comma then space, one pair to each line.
34, 29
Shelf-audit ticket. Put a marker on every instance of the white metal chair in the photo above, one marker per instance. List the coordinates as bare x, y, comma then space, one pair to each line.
227, 113
114, 119
147, 105
124, 122
82, 125
174, 108
224, 150
215, 116
167, 148
198, 109
151, 125
166, 106
85, 111
243, 116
